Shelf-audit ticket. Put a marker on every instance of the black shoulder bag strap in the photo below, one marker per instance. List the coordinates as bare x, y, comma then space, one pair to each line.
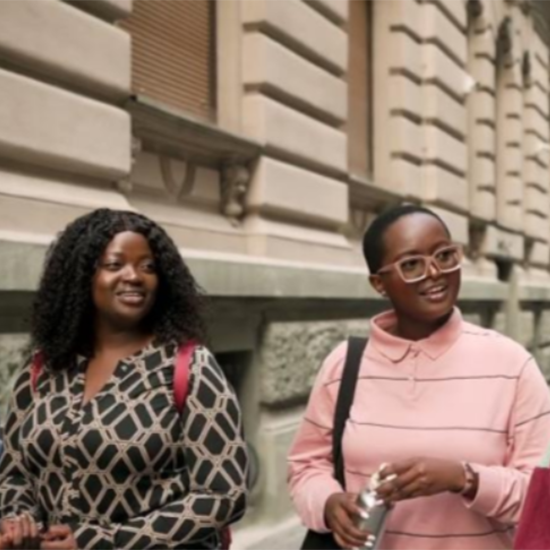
346, 392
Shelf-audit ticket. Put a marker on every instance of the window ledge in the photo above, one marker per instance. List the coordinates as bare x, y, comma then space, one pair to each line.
168, 131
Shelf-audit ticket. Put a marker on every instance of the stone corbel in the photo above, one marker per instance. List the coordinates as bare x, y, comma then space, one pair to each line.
505, 40
476, 241
526, 69
125, 185
359, 220
234, 181
177, 189
526, 6
474, 9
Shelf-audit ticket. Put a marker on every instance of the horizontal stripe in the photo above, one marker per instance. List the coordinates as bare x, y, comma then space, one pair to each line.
429, 428
361, 474
446, 379
317, 424
523, 422
451, 535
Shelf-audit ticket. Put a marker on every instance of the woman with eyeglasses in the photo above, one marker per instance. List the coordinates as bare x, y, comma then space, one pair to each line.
459, 414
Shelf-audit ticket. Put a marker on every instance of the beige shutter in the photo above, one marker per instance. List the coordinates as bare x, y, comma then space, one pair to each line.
359, 89
173, 50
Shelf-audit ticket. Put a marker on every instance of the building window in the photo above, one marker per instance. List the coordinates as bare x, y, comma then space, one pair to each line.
173, 53
359, 89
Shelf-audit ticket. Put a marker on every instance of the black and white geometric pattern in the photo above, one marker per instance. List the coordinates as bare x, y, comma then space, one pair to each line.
127, 470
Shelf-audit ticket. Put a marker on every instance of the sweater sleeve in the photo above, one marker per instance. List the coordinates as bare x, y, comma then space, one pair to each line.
311, 467
502, 488
217, 461
17, 490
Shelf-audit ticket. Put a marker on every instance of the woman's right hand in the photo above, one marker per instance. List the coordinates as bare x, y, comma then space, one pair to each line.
6, 542
58, 537
21, 532
340, 509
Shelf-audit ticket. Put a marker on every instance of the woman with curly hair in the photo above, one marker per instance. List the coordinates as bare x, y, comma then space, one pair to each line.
98, 453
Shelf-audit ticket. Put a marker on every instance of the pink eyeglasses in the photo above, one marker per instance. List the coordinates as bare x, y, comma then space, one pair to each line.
413, 269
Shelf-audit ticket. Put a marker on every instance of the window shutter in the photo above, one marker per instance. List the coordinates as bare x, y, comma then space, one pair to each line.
359, 89
173, 53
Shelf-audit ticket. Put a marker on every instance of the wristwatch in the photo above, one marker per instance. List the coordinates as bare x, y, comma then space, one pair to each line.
470, 476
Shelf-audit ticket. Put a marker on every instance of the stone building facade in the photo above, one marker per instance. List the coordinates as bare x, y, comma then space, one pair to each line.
264, 135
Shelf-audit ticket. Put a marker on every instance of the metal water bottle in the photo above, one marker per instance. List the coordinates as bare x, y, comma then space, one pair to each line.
372, 516
373, 512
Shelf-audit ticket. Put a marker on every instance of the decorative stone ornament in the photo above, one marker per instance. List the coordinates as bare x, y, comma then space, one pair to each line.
504, 38
526, 68
359, 220
125, 185
474, 8
177, 189
235, 179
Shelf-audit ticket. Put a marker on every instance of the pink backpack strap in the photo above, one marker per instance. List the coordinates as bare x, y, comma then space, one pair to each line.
36, 369
181, 374
181, 389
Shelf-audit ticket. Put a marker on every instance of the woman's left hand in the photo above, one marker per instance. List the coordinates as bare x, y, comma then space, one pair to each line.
58, 537
421, 477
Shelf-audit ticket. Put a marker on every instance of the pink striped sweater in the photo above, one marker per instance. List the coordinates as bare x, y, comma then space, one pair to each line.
465, 393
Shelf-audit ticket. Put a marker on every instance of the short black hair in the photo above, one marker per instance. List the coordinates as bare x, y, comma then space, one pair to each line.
373, 240
62, 317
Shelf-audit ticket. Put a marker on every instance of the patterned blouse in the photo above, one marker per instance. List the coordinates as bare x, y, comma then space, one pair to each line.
127, 470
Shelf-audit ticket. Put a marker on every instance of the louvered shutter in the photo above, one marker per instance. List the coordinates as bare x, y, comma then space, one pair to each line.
173, 53
359, 89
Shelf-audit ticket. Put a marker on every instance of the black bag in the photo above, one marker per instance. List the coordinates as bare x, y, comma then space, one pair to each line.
356, 347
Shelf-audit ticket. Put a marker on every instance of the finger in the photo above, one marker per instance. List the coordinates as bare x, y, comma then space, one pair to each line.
27, 528
60, 531
339, 541
34, 535
25, 531
349, 505
370, 541
398, 468
17, 532
5, 525
352, 542
346, 529
418, 488
393, 489
344, 542
50, 545
57, 544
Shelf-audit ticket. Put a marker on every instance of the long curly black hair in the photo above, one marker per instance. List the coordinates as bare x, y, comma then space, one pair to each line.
63, 310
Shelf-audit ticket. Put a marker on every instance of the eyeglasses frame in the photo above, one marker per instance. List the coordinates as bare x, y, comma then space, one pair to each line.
430, 260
